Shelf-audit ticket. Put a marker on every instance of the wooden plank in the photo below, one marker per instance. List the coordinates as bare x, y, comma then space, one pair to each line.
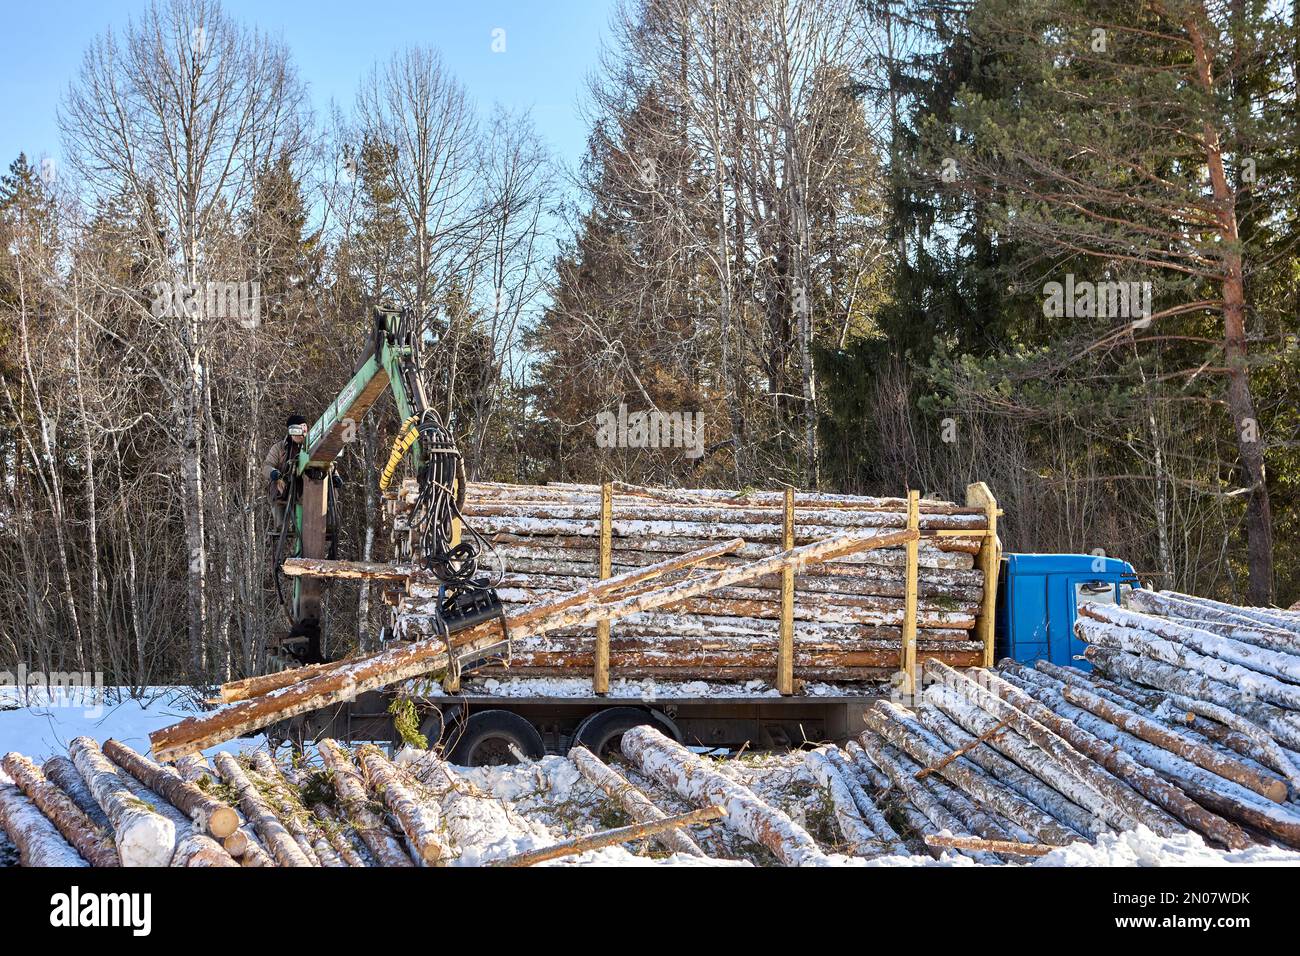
785, 642
989, 562
907, 662
600, 675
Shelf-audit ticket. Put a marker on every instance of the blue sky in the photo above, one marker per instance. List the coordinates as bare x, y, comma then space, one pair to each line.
551, 47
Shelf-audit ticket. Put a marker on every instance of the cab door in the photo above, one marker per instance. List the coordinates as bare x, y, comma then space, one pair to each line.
1083, 589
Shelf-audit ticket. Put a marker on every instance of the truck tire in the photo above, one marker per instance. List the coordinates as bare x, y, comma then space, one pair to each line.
602, 732
485, 739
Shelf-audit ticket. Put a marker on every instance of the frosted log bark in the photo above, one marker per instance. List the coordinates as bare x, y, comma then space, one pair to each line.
905, 732
143, 836
419, 818
351, 790
902, 771
38, 842
275, 836
1008, 703
694, 779
871, 813
60, 770
292, 813
633, 802
858, 836
93, 842
209, 815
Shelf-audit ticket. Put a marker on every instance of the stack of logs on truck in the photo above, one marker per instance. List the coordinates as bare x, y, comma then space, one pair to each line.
862, 617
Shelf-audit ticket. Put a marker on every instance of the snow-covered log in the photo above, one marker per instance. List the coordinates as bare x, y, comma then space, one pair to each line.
1224, 797
209, 815
1154, 733
275, 836
694, 779
93, 842
418, 818
902, 772
351, 791
1284, 665
1007, 703
1012, 775
1282, 724
905, 732
630, 799
857, 834
200, 850
144, 837
871, 814
38, 842
60, 770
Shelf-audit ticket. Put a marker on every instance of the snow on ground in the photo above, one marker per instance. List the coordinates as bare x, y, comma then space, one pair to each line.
40, 721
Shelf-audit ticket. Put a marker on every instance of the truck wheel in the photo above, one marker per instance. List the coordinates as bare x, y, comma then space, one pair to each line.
486, 739
602, 732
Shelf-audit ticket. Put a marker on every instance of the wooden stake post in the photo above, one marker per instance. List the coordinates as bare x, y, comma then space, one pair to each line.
600, 679
907, 662
989, 562
785, 646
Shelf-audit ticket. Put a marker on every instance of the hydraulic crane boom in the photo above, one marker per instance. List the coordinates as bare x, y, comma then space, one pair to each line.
391, 362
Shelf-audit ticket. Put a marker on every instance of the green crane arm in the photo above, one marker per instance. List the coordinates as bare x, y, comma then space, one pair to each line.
384, 365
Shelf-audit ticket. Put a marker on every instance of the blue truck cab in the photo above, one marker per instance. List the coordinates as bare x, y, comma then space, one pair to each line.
1038, 600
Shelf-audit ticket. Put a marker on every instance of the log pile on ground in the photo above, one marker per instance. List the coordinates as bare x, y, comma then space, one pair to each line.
848, 612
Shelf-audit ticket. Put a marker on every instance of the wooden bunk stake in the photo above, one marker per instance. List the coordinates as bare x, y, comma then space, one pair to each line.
600, 677
907, 659
785, 646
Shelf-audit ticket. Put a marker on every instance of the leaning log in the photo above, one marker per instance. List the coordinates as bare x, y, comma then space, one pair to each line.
596, 841
1120, 801
871, 814
694, 779
209, 815
275, 836
351, 792
37, 840
93, 842
1282, 724
143, 836
631, 800
902, 771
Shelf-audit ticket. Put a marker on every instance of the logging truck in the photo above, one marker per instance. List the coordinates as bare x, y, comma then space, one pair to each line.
779, 617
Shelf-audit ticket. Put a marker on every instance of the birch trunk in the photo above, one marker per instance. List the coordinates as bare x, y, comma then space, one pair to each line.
60, 771
279, 842
691, 777
633, 802
351, 792
143, 836
92, 841
209, 815
38, 842
418, 818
